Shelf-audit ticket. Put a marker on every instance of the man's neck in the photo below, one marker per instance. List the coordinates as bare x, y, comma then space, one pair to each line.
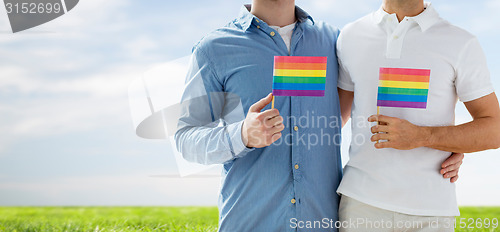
403, 8
274, 12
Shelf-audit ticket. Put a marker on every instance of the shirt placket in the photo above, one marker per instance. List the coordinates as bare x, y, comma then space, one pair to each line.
295, 130
396, 32
273, 34
295, 112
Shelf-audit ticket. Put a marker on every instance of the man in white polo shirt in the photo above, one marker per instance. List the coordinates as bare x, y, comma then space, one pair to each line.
413, 65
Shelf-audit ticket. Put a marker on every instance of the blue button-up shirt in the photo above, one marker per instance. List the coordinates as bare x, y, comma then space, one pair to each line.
290, 185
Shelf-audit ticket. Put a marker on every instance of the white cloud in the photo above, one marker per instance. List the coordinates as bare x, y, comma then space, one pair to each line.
139, 46
109, 83
64, 105
91, 16
482, 21
88, 16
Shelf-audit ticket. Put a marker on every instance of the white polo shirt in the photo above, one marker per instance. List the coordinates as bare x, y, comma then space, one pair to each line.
409, 181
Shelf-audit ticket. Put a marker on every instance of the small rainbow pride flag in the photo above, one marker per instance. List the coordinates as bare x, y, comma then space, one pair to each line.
404, 88
299, 76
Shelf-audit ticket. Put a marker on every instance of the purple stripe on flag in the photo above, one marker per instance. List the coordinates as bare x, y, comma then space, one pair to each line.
420, 105
289, 92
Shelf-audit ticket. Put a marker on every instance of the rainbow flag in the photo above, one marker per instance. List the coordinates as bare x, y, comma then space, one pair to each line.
299, 76
405, 88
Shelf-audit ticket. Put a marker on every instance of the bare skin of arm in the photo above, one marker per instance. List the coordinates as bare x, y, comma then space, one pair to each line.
345, 99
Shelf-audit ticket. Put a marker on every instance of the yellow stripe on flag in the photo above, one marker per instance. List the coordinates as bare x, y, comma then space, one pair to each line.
404, 84
299, 73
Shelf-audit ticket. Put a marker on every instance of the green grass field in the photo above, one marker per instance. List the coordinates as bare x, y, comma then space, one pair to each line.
155, 218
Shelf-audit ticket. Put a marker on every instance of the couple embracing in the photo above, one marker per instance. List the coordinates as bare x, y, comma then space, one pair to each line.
403, 59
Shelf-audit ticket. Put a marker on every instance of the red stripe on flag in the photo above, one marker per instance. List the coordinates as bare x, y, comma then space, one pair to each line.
406, 71
300, 59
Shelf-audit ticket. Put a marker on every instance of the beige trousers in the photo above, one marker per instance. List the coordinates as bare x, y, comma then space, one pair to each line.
356, 216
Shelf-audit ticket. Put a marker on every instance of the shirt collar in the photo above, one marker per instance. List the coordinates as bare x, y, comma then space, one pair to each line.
425, 20
245, 18
379, 15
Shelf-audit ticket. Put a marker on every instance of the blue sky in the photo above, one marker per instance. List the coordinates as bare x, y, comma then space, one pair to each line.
66, 133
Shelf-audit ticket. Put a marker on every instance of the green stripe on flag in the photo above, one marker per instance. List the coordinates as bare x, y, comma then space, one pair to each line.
305, 80
402, 91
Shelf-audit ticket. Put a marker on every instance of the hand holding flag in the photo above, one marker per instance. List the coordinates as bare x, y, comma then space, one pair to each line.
261, 129
400, 88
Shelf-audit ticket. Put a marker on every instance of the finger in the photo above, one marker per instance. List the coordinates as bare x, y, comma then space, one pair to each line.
386, 120
258, 106
373, 118
380, 118
454, 158
451, 174
276, 129
276, 137
451, 168
379, 128
269, 114
381, 145
378, 137
274, 121
454, 179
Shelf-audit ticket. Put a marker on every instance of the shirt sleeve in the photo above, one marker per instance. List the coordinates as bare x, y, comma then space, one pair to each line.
344, 82
472, 75
207, 133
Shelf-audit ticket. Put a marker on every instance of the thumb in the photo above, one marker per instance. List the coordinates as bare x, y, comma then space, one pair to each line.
258, 106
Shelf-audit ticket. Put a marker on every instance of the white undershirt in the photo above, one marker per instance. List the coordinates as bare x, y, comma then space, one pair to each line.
285, 33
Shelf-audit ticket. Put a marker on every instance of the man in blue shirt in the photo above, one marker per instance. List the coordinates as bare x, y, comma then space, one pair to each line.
281, 167
293, 180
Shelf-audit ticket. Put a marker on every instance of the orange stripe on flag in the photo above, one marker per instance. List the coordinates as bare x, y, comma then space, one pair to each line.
398, 77
303, 66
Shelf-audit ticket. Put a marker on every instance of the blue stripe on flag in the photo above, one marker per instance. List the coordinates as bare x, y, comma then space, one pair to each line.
400, 97
299, 86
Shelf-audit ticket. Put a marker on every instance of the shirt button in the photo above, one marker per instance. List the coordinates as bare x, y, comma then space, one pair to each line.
258, 27
293, 201
296, 166
295, 128
272, 33
396, 37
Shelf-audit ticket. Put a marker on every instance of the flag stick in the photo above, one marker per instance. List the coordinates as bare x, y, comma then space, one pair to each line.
378, 112
272, 104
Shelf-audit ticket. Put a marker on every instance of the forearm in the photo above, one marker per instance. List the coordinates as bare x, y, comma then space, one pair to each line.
480, 134
345, 101
210, 145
